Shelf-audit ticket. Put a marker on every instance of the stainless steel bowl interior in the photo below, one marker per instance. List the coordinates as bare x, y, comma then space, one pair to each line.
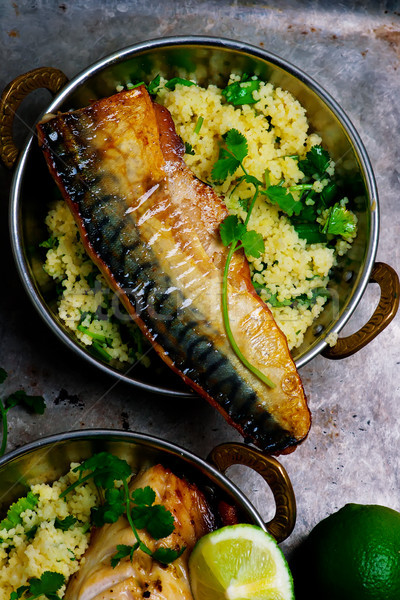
47, 459
211, 61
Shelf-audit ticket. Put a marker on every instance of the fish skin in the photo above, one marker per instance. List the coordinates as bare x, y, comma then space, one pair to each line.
152, 228
129, 580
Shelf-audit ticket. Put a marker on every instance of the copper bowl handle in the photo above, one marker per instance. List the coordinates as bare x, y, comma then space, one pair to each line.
388, 281
226, 455
11, 98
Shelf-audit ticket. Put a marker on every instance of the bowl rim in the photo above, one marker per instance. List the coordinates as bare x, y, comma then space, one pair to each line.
146, 440
217, 43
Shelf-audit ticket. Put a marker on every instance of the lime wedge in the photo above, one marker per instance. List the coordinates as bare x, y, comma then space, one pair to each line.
239, 562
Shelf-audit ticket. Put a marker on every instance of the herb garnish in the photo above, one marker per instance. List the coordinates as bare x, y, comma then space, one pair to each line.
234, 234
189, 149
241, 92
172, 83
13, 516
48, 584
35, 404
139, 507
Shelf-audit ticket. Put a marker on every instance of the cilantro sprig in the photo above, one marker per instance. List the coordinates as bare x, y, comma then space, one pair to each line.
139, 507
234, 234
47, 585
35, 404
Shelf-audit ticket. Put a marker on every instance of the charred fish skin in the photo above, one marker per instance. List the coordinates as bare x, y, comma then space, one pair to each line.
84, 155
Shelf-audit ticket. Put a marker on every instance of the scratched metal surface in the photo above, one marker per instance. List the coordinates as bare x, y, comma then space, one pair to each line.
353, 50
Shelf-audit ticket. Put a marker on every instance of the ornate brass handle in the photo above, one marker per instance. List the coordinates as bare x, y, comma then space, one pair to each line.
11, 98
388, 305
273, 473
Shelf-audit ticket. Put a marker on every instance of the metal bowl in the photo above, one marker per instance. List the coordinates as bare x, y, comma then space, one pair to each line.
47, 459
213, 59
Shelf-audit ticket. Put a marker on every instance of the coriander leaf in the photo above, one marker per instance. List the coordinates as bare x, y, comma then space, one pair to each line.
241, 92
106, 468
166, 555
236, 144
189, 149
231, 230
199, 124
122, 551
91, 278
253, 243
328, 194
140, 516
284, 199
310, 232
172, 83
340, 221
65, 524
52, 242
3, 375
100, 351
35, 403
226, 165
250, 179
145, 496
317, 292
48, 584
316, 162
19, 593
113, 507
160, 523
153, 86
30, 534
244, 203
13, 516
273, 298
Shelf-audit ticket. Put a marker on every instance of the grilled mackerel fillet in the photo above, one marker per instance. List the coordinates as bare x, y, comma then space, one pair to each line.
152, 228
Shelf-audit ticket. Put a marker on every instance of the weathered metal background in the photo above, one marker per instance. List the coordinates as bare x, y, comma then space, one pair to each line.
353, 50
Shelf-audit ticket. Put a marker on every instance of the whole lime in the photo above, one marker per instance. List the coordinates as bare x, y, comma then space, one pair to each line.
354, 554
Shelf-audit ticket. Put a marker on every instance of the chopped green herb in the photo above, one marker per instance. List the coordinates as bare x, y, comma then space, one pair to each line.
189, 149
122, 551
340, 221
283, 198
310, 232
172, 83
316, 162
132, 86
199, 123
91, 278
35, 403
13, 516
153, 86
241, 92
52, 242
48, 584
30, 534
65, 524
244, 203
95, 336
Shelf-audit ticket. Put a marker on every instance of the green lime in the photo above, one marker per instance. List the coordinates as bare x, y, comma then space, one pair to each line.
239, 562
354, 554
